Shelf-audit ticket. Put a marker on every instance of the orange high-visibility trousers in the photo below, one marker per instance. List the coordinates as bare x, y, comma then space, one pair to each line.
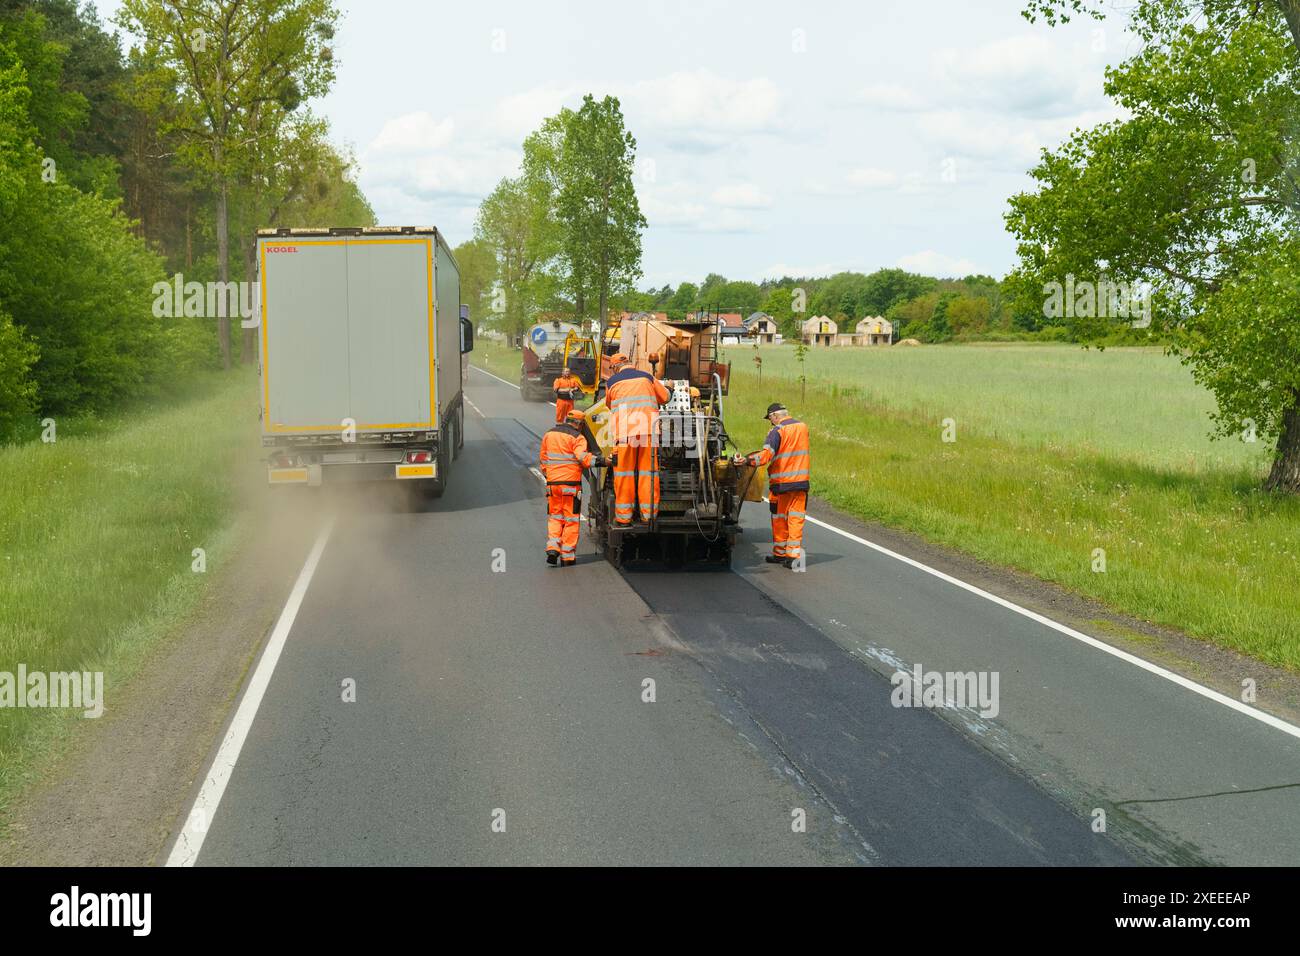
787, 523
563, 520
562, 408
636, 482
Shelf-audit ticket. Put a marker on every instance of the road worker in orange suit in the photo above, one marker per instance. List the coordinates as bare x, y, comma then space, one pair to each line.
634, 397
563, 457
785, 452
567, 388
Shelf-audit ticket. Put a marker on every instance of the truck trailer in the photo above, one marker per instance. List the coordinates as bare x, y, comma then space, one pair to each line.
361, 337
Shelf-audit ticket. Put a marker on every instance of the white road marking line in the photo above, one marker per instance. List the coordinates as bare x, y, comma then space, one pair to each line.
475, 407
537, 473
497, 377
1277, 723
190, 841
503, 381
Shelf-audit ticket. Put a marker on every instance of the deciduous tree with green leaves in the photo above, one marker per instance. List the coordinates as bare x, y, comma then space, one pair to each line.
478, 270
515, 221
239, 68
597, 204
1196, 194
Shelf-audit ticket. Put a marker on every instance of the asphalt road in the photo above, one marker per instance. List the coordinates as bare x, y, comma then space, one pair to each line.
518, 696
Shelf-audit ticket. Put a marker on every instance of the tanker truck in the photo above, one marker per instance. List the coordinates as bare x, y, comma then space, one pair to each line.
546, 348
701, 490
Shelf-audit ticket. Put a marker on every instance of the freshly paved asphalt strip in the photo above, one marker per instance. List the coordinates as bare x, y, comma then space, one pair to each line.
1181, 779
485, 694
912, 787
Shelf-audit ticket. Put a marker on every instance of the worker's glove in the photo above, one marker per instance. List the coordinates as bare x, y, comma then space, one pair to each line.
612, 461
598, 461
739, 460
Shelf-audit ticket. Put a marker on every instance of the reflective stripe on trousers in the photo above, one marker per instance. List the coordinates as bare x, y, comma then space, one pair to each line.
563, 521
787, 523
636, 482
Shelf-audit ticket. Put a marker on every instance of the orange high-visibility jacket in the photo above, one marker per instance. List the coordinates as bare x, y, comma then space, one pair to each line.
785, 452
568, 386
634, 397
564, 455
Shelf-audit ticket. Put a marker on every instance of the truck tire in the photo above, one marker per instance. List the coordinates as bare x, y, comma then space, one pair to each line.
444, 461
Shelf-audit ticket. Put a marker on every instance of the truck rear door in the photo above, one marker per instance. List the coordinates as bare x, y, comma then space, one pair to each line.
347, 327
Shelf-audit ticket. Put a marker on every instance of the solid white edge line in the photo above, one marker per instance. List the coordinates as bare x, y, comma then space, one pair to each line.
475, 407
503, 381
190, 841
497, 377
1276, 723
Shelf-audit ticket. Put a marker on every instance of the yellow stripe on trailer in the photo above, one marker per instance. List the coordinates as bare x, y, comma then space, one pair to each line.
287, 475
415, 471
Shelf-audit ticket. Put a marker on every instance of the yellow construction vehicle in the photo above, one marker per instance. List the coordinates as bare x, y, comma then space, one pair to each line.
581, 359
701, 490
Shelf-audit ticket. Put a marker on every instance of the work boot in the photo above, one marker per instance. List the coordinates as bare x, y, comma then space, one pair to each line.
568, 564
787, 562
552, 557
774, 559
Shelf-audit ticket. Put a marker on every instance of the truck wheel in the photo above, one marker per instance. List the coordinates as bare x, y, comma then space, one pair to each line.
444, 462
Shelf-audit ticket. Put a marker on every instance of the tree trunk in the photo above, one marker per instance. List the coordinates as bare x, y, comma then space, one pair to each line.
223, 271
1291, 10
1285, 474
248, 350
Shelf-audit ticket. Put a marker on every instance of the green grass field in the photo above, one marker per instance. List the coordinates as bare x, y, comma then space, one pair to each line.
1059, 452
1136, 404
97, 532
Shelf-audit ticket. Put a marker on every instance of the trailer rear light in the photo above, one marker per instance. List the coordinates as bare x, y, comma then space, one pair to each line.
419, 457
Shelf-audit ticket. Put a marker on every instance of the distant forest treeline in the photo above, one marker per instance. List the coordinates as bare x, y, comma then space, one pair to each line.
920, 307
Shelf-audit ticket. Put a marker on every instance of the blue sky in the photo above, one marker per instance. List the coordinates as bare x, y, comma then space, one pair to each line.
772, 138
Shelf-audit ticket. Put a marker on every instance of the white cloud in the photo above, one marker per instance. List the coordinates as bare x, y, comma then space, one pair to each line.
414, 133
416, 159
1008, 142
740, 196
1024, 75
869, 177
516, 116
679, 207
890, 96
699, 109
934, 263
